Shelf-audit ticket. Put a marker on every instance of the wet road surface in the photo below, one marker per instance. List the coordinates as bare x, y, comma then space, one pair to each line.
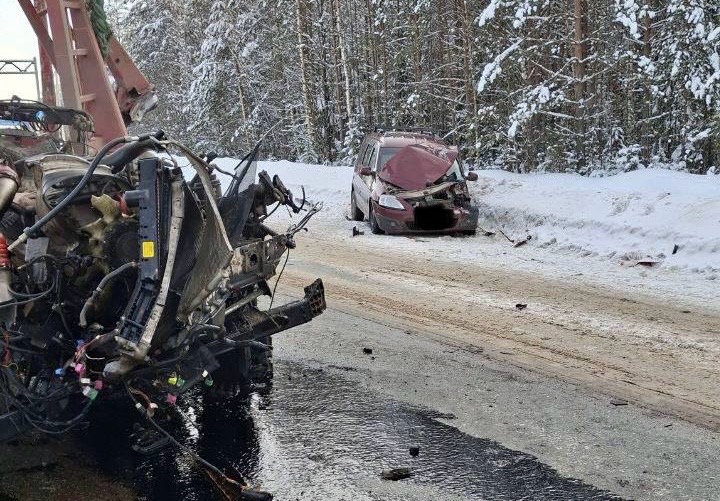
316, 435
336, 417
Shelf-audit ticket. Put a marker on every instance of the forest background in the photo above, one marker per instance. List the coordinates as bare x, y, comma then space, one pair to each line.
593, 87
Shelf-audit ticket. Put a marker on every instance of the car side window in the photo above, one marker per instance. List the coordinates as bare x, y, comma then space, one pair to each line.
371, 161
361, 155
368, 152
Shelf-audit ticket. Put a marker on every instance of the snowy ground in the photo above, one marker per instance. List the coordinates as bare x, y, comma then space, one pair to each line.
590, 227
633, 215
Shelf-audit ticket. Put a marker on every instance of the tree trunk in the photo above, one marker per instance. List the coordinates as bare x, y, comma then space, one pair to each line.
308, 97
470, 95
241, 93
580, 25
343, 61
646, 140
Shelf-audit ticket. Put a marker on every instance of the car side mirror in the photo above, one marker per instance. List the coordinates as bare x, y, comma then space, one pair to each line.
471, 176
366, 171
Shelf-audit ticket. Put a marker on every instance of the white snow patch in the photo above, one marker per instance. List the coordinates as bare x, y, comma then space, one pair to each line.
637, 214
488, 13
493, 69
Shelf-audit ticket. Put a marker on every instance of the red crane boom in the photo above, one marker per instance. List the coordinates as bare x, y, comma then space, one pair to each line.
69, 45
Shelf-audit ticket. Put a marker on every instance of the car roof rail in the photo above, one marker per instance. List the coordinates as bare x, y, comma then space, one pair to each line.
399, 129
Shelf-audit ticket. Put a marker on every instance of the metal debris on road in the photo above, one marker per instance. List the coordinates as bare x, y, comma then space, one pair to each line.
648, 262
485, 232
396, 473
522, 242
516, 243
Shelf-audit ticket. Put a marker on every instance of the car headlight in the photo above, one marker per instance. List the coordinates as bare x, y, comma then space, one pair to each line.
390, 202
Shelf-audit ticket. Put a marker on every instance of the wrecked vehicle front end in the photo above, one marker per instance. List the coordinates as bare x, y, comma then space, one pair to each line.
424, 190
133, 279
443, 208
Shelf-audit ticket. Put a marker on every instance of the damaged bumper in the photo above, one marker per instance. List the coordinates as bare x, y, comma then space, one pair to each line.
441, 220
434, 210
260, 326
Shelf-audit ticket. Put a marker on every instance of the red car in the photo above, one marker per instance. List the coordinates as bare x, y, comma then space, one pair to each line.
411, 182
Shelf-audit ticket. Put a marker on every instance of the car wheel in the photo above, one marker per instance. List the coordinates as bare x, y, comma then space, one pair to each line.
374, 227
355, 213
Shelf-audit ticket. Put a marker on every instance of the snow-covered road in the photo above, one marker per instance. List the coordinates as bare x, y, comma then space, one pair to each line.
583, 229
589, 308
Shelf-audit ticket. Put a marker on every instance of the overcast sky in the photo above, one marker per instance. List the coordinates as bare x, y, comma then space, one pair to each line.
17, 41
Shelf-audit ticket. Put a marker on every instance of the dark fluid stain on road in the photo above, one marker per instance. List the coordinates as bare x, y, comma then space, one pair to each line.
315, 435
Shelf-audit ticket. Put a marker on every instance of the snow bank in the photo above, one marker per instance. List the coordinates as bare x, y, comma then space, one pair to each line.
629, 216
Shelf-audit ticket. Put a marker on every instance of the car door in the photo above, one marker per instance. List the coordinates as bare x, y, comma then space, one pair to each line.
357, 181
362, 184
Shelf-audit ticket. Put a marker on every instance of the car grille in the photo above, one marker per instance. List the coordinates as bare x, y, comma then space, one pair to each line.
434, 218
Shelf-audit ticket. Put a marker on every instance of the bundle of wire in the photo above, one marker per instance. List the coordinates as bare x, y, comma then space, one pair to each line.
40, 397
24, 396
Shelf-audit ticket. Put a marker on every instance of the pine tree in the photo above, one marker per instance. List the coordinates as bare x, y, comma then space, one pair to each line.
608, 85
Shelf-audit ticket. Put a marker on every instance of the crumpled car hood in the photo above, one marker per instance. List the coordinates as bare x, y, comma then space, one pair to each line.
416, 167
431, 190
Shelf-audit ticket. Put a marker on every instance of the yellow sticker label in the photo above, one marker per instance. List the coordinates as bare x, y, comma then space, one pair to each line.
148, 249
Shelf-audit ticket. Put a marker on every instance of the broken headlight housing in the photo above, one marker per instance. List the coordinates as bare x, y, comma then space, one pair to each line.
390, 202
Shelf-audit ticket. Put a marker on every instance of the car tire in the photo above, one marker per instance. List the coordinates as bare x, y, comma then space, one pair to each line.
374, 226
241, 370
355, 213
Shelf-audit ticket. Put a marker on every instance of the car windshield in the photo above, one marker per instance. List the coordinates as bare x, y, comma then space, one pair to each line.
385, 155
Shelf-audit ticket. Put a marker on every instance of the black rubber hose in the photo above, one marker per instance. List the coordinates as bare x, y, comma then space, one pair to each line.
126, 154
81, 184
101, 286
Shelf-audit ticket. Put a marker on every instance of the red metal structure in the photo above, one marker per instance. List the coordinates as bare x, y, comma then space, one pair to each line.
68, 44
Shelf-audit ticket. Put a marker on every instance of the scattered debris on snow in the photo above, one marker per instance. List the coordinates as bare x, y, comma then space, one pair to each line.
396, 473
649, 262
